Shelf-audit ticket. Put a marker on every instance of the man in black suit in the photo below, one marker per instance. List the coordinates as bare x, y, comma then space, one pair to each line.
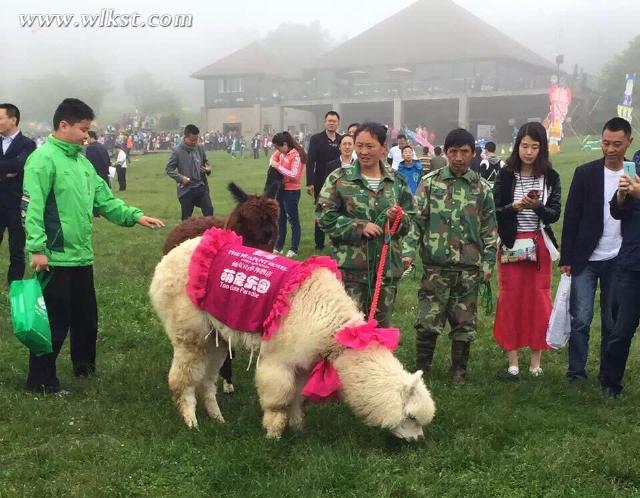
591, 240
323, 148
98, 155
14, 150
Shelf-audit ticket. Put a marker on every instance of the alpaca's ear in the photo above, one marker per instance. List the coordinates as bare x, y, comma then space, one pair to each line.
271, 191
238, 194
414, 380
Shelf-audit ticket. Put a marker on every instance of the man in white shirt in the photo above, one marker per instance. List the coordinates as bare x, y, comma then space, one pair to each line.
394, 158
591, 240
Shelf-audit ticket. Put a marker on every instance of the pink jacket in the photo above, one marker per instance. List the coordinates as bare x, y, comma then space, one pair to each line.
291, 167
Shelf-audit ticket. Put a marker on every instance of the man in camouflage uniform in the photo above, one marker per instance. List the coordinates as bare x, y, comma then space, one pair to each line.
347, 206
456, 231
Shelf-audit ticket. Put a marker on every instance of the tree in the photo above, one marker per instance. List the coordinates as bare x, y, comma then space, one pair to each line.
613, 74
299, 41
38, 97
148, 96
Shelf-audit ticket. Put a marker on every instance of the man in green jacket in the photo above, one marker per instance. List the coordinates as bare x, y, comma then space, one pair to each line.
354, 206
61, 191
456, 231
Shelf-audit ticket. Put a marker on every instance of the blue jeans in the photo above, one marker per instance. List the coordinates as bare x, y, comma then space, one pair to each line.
627, 289
288, 201
583, 292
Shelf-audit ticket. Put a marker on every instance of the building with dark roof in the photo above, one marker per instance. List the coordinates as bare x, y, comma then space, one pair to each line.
432, 63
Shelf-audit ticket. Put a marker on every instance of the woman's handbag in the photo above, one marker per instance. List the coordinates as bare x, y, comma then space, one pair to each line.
522, 250
29, 315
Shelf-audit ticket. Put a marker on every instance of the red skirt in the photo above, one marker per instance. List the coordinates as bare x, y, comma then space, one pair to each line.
524, 302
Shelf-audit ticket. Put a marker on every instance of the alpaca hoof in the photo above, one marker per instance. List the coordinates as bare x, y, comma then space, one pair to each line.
297, 424
217, 418
227, 387
191, 421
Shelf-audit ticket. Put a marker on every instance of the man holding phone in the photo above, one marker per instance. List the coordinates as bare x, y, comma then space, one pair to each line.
625, 206
591, 240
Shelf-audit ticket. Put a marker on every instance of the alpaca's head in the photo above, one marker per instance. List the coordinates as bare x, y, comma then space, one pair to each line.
380, 390
255, 218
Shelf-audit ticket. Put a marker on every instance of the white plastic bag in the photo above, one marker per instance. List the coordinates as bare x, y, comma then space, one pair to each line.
112, 172
560, 322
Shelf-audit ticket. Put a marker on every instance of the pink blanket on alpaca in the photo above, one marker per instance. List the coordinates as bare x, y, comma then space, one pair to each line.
245, 288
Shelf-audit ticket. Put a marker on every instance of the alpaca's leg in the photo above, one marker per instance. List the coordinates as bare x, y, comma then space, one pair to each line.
296, 409
187, 371
276, 389
214, 359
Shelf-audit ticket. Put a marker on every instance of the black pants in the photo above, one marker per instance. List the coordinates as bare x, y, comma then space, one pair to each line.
627, 296
13, 225
256, 153
318, 234
71, 305
122, 177
198, 196
226, 370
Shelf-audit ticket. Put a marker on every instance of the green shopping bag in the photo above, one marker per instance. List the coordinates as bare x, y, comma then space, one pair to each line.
29, 315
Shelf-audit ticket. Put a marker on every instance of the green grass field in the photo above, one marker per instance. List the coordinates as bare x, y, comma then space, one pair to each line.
118, 434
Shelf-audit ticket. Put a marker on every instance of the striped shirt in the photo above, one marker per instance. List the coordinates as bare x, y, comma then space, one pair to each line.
528, 220
374, 183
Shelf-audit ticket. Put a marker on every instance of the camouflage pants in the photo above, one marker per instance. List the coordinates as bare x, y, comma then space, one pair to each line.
447, 296
362, 295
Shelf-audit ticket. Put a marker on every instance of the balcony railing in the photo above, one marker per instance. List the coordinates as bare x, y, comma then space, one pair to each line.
283, 92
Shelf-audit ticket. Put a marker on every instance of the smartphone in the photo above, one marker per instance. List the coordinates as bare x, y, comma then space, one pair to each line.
630, 169
533, 194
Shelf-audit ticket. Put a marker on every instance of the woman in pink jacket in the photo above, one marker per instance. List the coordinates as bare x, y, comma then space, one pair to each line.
289, 159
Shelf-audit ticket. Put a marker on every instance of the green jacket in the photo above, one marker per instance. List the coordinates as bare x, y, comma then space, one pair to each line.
456, 222
61, 190
347, 203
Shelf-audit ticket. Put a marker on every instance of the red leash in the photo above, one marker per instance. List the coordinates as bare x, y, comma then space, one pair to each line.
388, 233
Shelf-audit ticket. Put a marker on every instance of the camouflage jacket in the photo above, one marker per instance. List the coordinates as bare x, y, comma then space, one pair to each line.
456, 222
347, 203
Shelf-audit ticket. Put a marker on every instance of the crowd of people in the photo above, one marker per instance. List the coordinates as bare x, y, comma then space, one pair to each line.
463, 211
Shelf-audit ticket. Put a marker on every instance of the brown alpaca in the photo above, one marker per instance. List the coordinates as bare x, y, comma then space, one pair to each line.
255, 218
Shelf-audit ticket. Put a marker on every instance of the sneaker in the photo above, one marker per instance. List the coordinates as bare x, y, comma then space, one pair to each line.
536, 372
513, 371
291, 254
277, 251
227, 387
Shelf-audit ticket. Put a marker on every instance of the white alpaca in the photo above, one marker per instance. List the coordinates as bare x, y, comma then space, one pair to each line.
374, 383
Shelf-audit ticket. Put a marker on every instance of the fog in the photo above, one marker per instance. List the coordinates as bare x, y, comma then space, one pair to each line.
587, 32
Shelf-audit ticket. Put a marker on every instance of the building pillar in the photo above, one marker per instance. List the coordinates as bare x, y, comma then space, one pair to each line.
279, 119
257, 111
463, 112
337, 107
204, 118
397, 113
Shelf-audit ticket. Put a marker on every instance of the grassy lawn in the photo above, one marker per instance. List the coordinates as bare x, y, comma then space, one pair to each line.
118, 434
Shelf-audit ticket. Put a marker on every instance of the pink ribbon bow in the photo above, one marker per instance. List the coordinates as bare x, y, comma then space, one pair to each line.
324, 382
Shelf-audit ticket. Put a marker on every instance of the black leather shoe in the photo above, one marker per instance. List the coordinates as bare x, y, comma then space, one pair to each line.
42, 388
84, 370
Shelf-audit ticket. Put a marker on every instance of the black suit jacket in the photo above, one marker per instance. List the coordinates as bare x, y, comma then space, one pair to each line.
548, 213
12, 164
321, 153
98, 155
583, 215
